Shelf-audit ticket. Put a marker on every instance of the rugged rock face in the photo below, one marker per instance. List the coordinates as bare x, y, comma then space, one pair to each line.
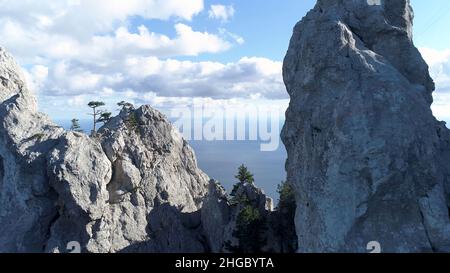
216, 214
368, 160
27, 202
149, 154
134, 187
220, 217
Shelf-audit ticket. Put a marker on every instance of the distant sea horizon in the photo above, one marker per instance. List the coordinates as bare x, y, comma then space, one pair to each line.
220, 160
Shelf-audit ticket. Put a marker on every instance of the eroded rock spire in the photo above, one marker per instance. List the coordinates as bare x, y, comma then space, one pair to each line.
368, 160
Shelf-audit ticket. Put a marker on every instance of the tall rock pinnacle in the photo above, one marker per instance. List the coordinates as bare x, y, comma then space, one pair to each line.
368, 160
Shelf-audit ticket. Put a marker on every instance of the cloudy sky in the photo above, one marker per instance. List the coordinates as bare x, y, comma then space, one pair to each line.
167, 52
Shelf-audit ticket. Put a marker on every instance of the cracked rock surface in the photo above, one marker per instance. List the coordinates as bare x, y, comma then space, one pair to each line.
368, 160
220, 214
134, 186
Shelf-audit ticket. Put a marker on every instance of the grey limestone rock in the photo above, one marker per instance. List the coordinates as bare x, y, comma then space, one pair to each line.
134, 185
368, 160
26, 137
220, 214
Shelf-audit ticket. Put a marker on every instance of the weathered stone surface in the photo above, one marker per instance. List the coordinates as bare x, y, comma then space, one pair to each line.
143, 194
220, 213
216, 214
26, 198
368, 160
79, 172
135, 185
151, 156
154, 171
12, 81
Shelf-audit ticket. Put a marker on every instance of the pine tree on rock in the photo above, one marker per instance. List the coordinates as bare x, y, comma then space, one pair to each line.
125, 106
75, 126
105, 117
95, 105
249, 232
244, 176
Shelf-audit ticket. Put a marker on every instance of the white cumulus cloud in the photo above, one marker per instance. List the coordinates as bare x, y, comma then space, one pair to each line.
169, 78
38, 31
221, 12
161, 83
74, 51
85, 17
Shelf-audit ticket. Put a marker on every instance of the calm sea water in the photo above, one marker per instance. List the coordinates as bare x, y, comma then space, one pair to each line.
221, 159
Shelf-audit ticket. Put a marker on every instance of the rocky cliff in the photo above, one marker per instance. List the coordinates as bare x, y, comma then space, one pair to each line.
134, 187
270, 231
368, 160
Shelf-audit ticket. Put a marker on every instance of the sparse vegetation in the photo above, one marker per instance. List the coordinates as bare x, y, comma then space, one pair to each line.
132, 122
287, 197
75, 127
126, 106
243, 176
250, 231
95, 105
250, 226
105, 117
